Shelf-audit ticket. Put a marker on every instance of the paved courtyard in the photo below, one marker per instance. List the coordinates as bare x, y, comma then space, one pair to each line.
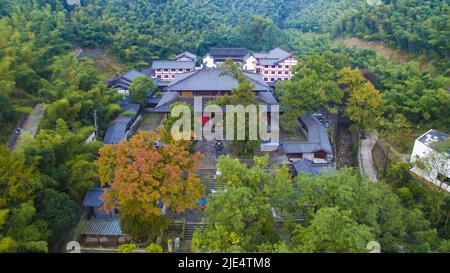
151, 121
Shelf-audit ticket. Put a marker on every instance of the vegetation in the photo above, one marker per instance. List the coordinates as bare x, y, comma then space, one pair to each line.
140, 89
242, 95
157, 178
239, 218
342, 213
420, 27
43, 181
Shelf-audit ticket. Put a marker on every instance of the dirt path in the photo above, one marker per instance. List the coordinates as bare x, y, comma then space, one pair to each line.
386, 52
367, 164
31, 124
344, 144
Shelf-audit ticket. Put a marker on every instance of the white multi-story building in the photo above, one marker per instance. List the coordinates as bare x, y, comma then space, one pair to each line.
217, 56
166, 70
275, 65
430, 164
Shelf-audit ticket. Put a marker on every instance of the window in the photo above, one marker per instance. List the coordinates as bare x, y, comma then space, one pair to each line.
173, 69
181, 70
158, 70
173, 76
272, 79
166, 76
266, 66
279, 79
159, 76
286, 72
280, 66
266, 72
266, 79
273, 66
279, 72
287, 66
273, 72
166, 70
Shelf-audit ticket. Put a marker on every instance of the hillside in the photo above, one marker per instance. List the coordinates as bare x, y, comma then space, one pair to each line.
382, 67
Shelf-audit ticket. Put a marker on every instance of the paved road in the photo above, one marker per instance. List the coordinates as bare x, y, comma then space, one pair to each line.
31, 125
368, 167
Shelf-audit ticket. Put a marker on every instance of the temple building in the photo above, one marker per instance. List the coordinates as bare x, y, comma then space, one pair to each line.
275, 65
166, 70
216, 56
210, 83
316, 148
186, 57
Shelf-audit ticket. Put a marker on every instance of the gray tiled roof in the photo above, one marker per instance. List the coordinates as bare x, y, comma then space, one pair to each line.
300, 147
124, 80
309, 167
212, 79
316, 132
187, 54
132, 75
221, 53
170, 98
163, 64
102, 227
92, 198
117, 130
317, 138
166, 100
272, 57
268, 97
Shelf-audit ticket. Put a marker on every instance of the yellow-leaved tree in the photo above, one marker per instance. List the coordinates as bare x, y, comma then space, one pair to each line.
145, 176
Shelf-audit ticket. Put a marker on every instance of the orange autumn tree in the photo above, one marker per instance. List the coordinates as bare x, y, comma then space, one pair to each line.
142, 175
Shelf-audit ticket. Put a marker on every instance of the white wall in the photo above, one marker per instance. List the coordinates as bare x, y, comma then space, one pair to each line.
422, 151
209, 62
250, 64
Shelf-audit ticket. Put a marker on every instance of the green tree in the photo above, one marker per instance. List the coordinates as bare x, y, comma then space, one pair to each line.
365, 104
60, 212
239, 218
127, 248
140, 88
163, 178
332, 230
311, 87
154, 248
373, 205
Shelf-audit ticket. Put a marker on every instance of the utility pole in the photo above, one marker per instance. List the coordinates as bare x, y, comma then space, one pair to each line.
95, 124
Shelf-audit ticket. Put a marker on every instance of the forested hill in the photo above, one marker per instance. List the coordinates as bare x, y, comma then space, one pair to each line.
416, 26
142, 30
39, 200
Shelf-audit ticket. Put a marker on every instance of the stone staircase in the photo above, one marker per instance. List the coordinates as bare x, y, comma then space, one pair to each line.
190, 228
206, 177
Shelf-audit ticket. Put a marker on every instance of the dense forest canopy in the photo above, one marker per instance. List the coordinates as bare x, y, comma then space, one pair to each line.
38, 65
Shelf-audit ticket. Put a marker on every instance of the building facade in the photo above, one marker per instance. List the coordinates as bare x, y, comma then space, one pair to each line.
186, 57
316, 148
431, 164
217, 56
166, 70
275, 65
